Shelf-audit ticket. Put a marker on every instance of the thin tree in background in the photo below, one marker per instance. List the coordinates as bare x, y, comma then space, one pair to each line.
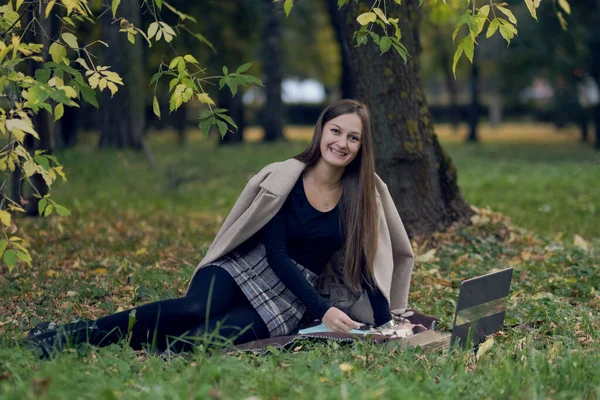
123, 118
272, 61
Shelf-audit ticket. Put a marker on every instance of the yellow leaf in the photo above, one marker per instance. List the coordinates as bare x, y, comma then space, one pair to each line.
49, 7
205, 98
112, 87
141, 251
427, 257
70, 40
5, 217
485, 347
99, 271
93, 80
580, 242
59, 111
366, 18
155, 107
345, 367
381, 15
190, 58
564, 4
23, 125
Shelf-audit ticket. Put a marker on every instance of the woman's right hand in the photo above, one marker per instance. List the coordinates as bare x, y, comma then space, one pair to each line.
338, 321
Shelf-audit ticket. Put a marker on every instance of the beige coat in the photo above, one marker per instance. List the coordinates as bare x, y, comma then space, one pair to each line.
266, 193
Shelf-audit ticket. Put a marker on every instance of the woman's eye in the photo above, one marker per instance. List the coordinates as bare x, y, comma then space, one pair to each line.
354, 138
334, 130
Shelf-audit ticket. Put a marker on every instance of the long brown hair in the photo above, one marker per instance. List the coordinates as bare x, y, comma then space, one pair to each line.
358, 211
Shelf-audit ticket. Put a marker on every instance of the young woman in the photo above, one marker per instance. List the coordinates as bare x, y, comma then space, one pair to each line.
259, 276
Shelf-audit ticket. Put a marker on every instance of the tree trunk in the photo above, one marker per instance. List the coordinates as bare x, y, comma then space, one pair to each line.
583, 125
69, 125
597, 125
272, 67
408, 156
123, 117
446, 63
236, 112
347, 83
474, 109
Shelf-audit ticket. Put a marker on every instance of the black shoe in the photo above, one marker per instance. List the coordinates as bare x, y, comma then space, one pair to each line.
45, 343
49, 326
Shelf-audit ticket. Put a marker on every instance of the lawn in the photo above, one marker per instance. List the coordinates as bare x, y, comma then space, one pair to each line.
134, 237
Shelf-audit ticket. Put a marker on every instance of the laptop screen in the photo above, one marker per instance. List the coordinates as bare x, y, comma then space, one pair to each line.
481, 307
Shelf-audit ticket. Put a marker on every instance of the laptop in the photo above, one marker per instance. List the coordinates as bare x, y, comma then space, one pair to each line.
480, 312
481, 307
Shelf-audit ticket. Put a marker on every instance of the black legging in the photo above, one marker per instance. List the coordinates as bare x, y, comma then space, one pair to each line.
161, 323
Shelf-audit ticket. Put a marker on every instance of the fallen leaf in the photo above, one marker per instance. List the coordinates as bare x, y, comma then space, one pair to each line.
71, 293
485, 347
580, 242
100, 271
345, 367
427, 257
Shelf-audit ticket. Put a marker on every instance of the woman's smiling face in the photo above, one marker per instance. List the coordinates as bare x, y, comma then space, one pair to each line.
341, 140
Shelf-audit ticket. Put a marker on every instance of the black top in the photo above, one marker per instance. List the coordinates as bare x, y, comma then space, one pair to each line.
310, 237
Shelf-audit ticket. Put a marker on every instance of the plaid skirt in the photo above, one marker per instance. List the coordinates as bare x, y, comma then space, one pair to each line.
278, 307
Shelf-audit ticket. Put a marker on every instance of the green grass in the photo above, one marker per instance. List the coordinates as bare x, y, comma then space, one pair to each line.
549, 188
133, 239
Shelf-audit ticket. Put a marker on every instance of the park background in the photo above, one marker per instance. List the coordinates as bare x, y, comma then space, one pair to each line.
147, 195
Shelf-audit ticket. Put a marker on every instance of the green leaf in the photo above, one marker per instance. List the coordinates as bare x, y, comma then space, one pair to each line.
89, 95
190, 58
228, 119
70, 40
114, 7
375, 37
24, 256
385, 44
57, 52
42, 206
402, 51
232, 84
131, 322
492, 28
158, 3
225, 70
42, 75
59, 111
243, 68
48, 210
10, 257
287, 7
62, 211
156, 107
222, 128
3, 244
43, 161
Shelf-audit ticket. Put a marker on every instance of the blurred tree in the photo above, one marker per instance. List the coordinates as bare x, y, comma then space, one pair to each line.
347, 84
123, 117
564, 58
272, 62
420, 175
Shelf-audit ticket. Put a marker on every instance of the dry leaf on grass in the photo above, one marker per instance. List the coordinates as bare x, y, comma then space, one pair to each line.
484, 347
